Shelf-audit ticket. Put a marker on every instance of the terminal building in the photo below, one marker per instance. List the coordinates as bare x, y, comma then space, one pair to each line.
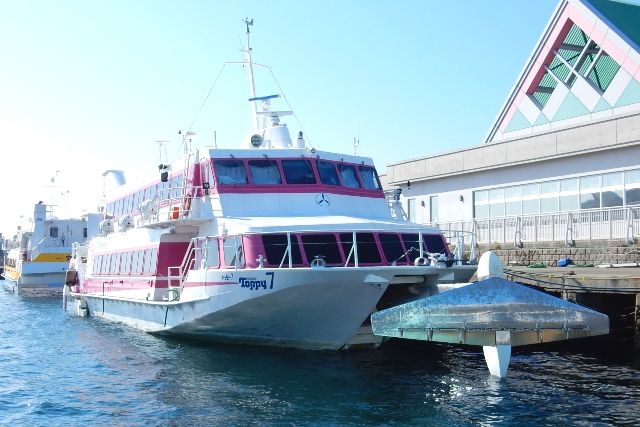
561, 161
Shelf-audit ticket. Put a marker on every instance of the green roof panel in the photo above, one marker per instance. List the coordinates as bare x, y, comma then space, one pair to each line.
623, 15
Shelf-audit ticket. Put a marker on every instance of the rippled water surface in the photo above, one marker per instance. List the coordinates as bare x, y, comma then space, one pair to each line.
56, 369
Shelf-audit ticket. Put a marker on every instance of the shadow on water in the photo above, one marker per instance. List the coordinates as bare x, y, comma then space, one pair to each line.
58, 369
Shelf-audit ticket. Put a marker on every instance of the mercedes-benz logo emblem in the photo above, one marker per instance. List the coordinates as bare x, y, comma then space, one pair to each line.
323, 200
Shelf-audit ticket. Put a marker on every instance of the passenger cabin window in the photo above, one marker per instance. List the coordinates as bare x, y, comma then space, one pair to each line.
349, 176
328, 173
392, 248
264, 172
434, 243
298, 172
275, 246
53, 232
324, 246
230, 172
370, 178
367, 248
412, 243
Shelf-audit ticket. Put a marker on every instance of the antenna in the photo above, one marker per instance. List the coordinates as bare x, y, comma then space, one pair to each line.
252, 86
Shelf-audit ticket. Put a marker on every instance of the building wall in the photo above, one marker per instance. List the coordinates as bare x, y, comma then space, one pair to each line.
607, 145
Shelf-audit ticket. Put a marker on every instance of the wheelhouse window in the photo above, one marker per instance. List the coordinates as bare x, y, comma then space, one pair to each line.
298, 172
264, 172
349, 176
53, 232
230, 172
370, 178
328, 173
412, 243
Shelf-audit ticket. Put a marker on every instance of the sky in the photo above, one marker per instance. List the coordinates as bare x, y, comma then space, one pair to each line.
88, 85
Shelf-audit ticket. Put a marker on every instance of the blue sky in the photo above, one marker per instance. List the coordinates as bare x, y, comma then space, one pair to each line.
91, 85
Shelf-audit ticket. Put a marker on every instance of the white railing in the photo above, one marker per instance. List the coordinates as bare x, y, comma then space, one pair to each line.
567, 227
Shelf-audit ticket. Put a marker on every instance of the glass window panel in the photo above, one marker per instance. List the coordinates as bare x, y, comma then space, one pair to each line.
589, 200
298, 172
530, 206
496, 194
512, 192
612, 180
632, 177
569, 203
548, 204
275, 247
481, 211
633, 196
368, 252
589, 183
370, 178
513, 208
264, 172
530, 190
230, 172
349, 176
496, 210
433, 208
481, 196
611, 198
549, 187
392, 248
328, 173
569, 184
324, 246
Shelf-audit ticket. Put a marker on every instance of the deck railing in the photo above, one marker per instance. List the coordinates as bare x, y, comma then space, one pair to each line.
567, 227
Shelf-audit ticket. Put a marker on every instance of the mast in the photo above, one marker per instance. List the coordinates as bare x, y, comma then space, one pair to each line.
252, 88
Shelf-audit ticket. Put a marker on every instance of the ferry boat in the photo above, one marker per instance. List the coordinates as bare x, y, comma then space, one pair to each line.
36, 261
280, 244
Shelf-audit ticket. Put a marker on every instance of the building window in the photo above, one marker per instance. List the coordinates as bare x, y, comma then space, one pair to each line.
433, 208
411, 208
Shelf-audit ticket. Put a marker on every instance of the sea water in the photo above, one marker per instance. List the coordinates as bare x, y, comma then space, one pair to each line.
56, 369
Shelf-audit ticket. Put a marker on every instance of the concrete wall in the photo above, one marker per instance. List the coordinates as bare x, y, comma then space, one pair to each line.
598, 136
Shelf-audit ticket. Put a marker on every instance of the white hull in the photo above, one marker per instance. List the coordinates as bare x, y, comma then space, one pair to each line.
306, 308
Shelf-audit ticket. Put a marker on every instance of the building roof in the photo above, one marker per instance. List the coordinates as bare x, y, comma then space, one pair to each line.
623, 15
585, 66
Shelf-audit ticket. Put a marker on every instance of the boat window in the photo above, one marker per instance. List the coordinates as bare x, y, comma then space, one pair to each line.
367, 248
126, 263
85, 232
139, 261
230, 172
321, 245
212, 252
129, 202
232, 249
53, 232
392, 248
298, 172
264, 172
275, 246
412, 243
115, 263
148, 262
435, 243
328, 173
136, 201
97, 264
370, 178
349, 176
